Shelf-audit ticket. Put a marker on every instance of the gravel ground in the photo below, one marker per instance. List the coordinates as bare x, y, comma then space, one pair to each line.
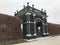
43, 41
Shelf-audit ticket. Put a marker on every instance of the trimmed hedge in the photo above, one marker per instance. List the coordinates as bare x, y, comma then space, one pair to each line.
9, 28
53, 29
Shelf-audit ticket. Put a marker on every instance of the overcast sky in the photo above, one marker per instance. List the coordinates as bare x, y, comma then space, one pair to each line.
52, 7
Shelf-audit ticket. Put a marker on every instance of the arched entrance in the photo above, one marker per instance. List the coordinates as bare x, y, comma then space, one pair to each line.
39, 27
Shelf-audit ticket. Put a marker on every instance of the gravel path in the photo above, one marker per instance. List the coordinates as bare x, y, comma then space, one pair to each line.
43, 41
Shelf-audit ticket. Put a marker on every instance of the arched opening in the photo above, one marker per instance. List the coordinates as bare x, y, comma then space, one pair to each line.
39, 27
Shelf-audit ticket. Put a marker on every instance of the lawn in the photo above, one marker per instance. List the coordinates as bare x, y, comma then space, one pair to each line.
12, 42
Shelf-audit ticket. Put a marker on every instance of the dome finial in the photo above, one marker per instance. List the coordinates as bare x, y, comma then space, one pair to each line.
33, 5
27, 3
45, 11
42, 10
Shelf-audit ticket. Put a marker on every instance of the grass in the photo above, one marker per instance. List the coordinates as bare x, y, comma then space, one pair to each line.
13, 42
53, 35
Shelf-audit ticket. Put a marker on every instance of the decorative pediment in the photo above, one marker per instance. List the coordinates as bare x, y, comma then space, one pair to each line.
29, 9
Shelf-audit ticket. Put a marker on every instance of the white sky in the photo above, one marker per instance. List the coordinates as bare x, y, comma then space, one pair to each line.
52, 7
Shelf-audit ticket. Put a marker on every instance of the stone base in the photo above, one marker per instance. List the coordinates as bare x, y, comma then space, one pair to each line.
45, 34
35, 35
28, 36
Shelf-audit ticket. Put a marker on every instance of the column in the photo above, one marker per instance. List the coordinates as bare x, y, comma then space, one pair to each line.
47, 28
44, 33
34, 24
22, 27
28, 25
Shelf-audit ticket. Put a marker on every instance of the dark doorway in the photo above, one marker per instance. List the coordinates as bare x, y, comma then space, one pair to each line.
39, 27
24, 30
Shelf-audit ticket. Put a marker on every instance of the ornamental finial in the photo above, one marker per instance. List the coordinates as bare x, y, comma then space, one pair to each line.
33, 5
27, 3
